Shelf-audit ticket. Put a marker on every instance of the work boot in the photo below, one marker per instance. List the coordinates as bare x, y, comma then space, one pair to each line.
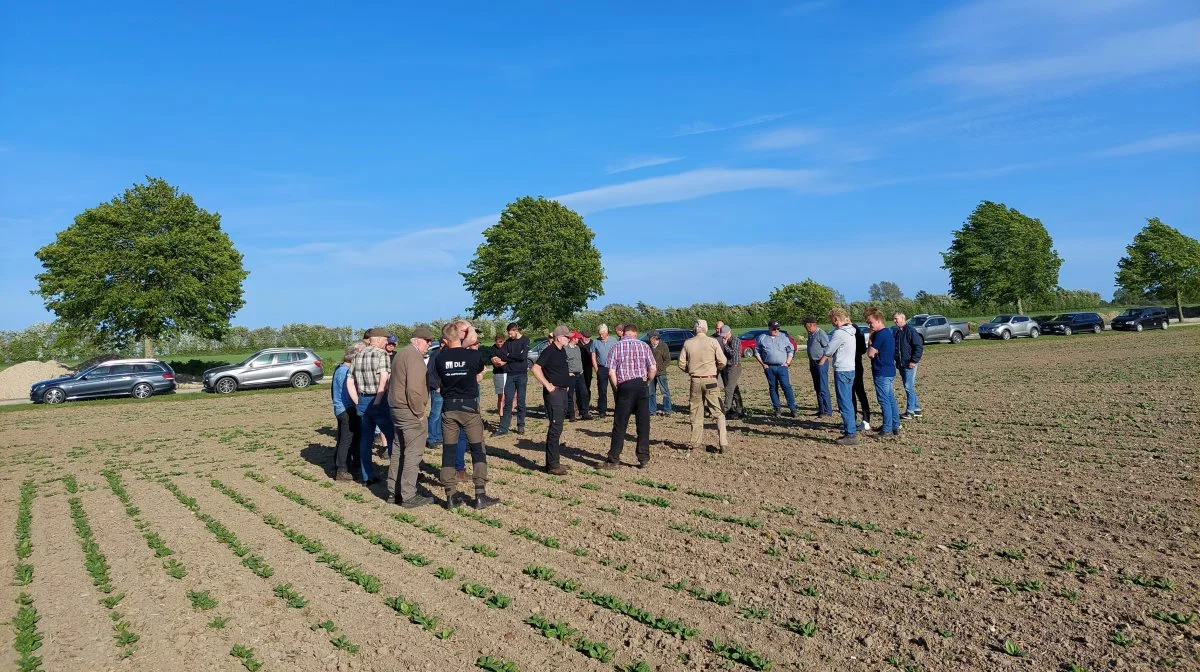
847, 440
558, 470
483, 501
343, 476
419, 500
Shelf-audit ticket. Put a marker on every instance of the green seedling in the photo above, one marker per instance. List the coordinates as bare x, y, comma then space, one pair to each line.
809, 591
490, 664
344, 644
703, 534
444, 573
669, 487
1011, 554
960, 545
1175, 618
1157, 582
715, 496
327, 626
484, 550
610, 510
654, 501
754, 614
738, 654
498, 601
475, 590
870, 551
1011, 648
293, 599
863, 574
174, 568
218, 622
201, 600
1119, 638
804, 629
908, 534
744, 522
772, 551
617, 535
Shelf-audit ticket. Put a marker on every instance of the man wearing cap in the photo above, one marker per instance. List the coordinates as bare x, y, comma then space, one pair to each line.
818, 341
732, 373
459, 368
347, 418
408, 396
630, 366
841, 352
662, 360
553, 370
775, 353
602, 347
367, 385
515, 358
576, 393
702, 358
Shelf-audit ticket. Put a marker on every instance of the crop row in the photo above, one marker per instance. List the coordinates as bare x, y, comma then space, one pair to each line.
567, 635
23, 571
412, 611
223, 534
173, 568
368, 582
98, 569
28, 640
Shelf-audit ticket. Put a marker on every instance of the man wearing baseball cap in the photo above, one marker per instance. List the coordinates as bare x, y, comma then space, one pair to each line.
775, 352
662, 360
367, 385
408, 396
553, 371
702, 358
577, 395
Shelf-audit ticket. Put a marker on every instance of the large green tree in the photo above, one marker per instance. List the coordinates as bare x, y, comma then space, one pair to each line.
791, 303
886, 292
1001, 256
538, 264
148, 264
1161, 263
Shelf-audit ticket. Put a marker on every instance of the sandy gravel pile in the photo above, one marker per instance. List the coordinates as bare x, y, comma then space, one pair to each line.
16, 379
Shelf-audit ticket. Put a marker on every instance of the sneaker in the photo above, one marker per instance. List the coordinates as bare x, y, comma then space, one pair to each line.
643, 465
483, 501
557, 471
847, 440
499, 432
864, 426
585, 417
896, 434
907, 416
917, 413
520, 430
778, 413
791, 413
608, 466
419, 500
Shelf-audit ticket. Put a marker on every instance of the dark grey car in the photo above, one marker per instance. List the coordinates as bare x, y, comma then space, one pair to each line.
298, 367
138, 378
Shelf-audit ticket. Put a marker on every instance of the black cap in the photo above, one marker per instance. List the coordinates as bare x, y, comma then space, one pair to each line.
773, 324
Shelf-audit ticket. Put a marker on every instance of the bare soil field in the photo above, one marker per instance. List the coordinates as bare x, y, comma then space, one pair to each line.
1042, 515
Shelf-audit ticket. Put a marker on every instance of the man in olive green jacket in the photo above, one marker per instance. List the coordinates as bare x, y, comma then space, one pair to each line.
408, 397
662, 359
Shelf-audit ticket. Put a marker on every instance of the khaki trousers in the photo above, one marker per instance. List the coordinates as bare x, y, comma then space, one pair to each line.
412, 432
706, 393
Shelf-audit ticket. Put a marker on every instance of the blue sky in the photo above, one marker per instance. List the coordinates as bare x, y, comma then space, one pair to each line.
717, 149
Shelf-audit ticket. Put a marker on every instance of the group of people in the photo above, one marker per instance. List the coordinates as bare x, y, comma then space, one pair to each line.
425, 395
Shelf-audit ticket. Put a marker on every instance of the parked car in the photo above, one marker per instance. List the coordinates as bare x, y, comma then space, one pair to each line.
750, 339
298, 367
1137, 319
1005, 327
939, 329
1070, 323
536, 349
673, 337
138, 378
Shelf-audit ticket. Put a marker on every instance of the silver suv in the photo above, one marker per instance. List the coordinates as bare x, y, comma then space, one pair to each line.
298, 367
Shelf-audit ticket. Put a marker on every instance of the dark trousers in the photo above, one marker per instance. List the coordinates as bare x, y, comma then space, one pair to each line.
348, 430
514, 388
860, 395
556, 410
633, 398
577, 398
602, 391
587, 380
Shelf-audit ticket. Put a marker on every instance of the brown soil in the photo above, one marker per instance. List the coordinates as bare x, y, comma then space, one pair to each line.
1047, 480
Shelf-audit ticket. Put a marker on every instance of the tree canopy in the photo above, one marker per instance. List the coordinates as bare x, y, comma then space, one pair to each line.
538, 263
790, 303
148, 264
1001, 256
1161, 263
884, 291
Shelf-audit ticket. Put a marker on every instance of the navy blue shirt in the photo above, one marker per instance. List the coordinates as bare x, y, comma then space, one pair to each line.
883, 364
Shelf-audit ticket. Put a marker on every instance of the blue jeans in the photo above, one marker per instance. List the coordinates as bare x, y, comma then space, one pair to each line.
886, 397
909, 376
373, 415
843, 385
514, 388
820, 378
435, 418
777, 374
660, 381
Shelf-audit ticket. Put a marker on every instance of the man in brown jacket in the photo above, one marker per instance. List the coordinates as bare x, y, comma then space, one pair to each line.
701, 358
408, 396
662, 360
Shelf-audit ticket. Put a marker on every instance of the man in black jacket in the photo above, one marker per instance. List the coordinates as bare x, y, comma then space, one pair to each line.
909, 348
514, 356
860, 390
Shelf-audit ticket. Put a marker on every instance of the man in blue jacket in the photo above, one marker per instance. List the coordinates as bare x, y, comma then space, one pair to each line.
883, 369
348, 425
909, 349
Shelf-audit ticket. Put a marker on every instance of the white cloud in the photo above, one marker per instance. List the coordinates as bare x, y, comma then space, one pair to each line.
648, 162
688, 185
1161, 143
700, 127
783, 138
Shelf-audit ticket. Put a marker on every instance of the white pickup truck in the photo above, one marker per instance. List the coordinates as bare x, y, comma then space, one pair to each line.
939, 329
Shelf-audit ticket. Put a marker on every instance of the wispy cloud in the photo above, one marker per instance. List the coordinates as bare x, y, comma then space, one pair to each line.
986, 47
648, 162
688, 185
1160, 143
783, 138
700, 127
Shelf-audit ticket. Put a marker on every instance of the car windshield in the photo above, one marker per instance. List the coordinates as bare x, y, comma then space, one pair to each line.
1001, 319
918, 320
1132, 312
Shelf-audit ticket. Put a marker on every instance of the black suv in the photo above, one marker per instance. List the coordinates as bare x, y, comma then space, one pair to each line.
1071, 323
1137, 319
673, 337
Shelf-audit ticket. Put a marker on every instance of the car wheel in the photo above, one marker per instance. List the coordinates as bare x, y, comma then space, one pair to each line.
225, 386
1164, 324
747, 353
1066, 331
956, 338
54, 395
1005, 335
301, 380
1034, 333
142, 391
1138, 327
1097, 328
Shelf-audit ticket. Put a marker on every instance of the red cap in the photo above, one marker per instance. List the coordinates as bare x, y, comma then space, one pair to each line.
576, 335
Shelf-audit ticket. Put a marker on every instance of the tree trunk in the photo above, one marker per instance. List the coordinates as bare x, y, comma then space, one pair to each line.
1179, 303
1020, 311
149, 346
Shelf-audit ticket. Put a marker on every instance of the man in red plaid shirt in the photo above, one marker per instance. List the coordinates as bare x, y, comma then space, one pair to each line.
630, 365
